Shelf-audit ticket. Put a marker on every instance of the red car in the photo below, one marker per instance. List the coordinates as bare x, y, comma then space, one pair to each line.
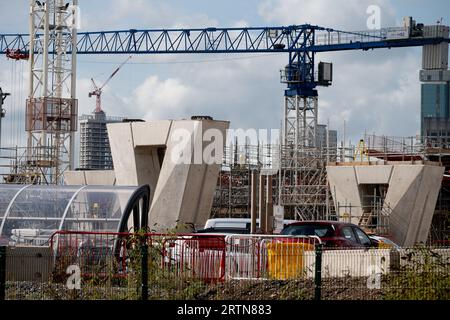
332, 233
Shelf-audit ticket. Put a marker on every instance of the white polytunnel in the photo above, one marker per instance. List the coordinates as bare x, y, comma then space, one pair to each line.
30, 214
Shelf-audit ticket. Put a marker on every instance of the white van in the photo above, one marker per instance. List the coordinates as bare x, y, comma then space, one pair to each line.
233, 225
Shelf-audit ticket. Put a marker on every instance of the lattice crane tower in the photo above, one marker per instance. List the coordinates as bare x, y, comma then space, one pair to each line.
52, 110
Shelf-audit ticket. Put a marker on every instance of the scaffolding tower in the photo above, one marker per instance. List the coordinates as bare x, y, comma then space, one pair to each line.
51, 107
302, 187
232, 195
437, 149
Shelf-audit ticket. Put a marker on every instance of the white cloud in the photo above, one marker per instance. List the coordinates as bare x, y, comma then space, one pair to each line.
374, 95
161, 99
339, 14
125, 14
240, 24
244, 90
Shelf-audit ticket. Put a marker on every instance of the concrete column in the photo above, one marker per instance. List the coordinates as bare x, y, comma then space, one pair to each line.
253, 203
262, 205
269, 206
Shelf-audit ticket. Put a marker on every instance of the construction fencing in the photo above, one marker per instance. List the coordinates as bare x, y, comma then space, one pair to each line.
87, 265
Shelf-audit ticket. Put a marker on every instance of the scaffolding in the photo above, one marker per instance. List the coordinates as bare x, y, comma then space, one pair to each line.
20, 165
232, 195
375, 212
390, 148
305, 194
440, 225
304, 191
435, 148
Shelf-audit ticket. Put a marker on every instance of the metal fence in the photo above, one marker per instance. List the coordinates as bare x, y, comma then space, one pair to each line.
208, 267
418, 273
264, 257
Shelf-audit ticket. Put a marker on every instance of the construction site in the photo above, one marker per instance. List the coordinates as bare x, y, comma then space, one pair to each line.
101, 174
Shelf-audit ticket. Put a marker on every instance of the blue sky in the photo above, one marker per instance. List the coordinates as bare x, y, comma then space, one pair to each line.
375, 91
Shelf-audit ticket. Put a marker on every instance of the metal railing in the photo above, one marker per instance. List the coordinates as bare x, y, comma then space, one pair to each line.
207, 267
250, 257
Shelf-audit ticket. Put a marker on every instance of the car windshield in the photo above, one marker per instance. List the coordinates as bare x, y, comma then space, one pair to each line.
308, 230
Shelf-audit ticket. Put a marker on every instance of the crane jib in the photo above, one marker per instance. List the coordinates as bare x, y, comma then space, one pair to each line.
227, 40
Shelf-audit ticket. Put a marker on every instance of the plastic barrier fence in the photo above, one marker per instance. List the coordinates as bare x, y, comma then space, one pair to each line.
267, 257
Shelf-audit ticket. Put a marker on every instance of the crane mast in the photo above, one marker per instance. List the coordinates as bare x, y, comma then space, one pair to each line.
51, 107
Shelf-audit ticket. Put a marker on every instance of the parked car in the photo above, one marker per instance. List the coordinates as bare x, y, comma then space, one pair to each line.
383, 242
332, 233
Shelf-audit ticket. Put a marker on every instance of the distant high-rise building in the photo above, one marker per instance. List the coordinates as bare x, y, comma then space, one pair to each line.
435, 119
437, 132
95, 152
435, 77
321, 137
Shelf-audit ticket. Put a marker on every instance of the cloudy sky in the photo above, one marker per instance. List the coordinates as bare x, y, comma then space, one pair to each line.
376, 91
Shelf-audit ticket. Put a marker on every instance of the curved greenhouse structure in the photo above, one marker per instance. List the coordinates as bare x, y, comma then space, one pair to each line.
30, 214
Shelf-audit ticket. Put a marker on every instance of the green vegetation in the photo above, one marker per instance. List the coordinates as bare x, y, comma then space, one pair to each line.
423, 274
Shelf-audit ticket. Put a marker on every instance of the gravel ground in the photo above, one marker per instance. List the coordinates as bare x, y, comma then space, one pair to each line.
55, 291
332, 289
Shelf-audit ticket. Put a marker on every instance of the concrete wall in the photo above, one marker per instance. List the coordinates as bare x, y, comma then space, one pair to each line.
146, 153
349, 263
134, 149
365, 263
96, 177
411, 195
181, 191
29, 264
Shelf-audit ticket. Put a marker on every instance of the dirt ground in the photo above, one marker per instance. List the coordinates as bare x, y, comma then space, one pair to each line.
332, 289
